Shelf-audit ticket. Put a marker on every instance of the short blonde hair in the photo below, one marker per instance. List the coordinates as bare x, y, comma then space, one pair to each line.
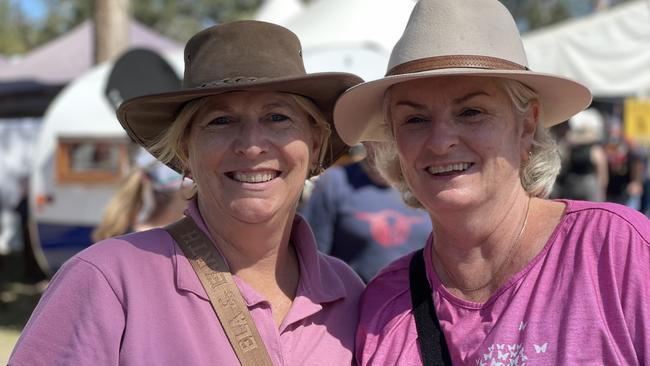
169, 147
537, 174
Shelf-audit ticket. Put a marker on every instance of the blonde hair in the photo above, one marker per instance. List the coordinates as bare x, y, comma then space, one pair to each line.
136, 202
170, 146
537, 174
122, 210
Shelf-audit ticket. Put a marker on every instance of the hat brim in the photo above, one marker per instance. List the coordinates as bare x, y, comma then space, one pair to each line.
358, 114
145, 118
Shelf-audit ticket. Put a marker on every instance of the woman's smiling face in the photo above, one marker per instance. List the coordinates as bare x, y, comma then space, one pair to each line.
249, 154
459, 139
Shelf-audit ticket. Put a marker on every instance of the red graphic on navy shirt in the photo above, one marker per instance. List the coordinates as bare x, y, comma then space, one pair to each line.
389, 228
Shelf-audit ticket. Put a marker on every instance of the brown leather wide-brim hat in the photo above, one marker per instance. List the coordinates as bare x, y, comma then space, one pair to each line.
244, 55
455, 38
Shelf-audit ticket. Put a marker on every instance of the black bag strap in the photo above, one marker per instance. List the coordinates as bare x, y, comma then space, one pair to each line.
430, 337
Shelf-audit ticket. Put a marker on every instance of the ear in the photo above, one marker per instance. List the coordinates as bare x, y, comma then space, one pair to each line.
529, 126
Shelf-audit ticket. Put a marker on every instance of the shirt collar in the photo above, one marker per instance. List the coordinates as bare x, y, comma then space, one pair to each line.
319, 282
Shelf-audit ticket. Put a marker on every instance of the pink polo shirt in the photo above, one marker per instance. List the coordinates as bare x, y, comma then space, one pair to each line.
583, 300
135, 300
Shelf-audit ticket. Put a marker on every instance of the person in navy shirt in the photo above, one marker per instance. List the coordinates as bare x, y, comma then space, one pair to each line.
358, 217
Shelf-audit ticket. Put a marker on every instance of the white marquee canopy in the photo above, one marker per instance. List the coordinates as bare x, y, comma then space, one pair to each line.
609, 51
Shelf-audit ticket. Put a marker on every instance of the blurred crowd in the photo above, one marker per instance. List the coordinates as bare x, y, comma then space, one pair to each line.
599, 163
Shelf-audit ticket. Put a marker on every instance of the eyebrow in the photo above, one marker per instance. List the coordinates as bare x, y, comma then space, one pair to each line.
466, 97
276, 104
211, 106
406, 103
225, 107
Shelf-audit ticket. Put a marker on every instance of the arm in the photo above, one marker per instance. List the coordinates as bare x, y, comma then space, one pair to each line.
599, 159
78, 321
626, 264
635, 187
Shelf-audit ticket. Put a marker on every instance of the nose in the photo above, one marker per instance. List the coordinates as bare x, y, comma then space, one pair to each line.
251, 140
443, 136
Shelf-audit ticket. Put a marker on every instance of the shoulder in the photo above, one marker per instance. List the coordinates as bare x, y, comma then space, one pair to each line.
334, 174
327, 187
145, 243
135, 252
350, 280
385, 322
387, 297
606, 220
324, 270
607, 238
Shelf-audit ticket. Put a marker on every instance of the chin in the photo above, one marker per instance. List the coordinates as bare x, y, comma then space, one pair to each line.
448, 200
253, 213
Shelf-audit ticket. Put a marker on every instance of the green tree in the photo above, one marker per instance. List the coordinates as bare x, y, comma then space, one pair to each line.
14, 30
176, 19
61, 16
180, 19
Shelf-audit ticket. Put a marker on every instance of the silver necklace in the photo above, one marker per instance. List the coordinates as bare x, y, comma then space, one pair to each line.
511, 251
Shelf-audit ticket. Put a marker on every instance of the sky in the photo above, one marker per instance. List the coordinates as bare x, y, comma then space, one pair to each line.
34, 9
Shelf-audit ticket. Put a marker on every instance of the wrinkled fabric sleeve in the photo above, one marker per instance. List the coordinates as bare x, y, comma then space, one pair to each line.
626, 267
78, 321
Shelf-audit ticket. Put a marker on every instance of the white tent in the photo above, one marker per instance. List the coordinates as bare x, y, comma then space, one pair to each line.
351, 35
608, 51
279, 11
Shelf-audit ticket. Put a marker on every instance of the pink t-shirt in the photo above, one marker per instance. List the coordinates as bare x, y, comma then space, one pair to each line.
583, 300
136, 300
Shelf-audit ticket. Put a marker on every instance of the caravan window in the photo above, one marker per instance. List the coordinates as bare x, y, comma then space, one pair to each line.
91, 160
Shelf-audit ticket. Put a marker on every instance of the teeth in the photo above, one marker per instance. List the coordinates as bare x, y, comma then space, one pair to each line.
254, 177
448, 168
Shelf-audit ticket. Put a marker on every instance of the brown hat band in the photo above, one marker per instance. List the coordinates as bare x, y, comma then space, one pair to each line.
454, 61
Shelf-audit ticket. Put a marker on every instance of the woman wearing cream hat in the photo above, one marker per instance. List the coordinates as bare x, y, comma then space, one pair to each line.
507, 277
239, 280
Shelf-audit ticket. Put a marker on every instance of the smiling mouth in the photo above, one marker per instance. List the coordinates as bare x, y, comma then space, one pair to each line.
253, 177
449, 169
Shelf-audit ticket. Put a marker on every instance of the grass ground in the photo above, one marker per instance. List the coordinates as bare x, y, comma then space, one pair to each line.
17, 301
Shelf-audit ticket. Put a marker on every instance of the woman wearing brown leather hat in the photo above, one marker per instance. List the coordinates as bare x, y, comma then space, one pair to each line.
239, 280
507, 277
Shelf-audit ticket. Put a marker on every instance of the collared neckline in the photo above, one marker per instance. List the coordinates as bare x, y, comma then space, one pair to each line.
319, 282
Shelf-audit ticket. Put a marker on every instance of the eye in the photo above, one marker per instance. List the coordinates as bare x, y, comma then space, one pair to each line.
415, 120
276, 117
221, 120
470, 112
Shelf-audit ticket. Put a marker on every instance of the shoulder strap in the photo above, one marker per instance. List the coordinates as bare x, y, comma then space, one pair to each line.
224, 295
430, 337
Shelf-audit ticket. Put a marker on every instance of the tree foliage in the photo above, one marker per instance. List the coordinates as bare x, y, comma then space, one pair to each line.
180, 19
176, 19
15, 32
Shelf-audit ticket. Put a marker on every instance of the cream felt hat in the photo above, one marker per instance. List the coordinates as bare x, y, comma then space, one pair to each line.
455, 37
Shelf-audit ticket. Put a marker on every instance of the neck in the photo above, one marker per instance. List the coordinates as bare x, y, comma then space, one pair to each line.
473, 253
260, 255
258, 246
